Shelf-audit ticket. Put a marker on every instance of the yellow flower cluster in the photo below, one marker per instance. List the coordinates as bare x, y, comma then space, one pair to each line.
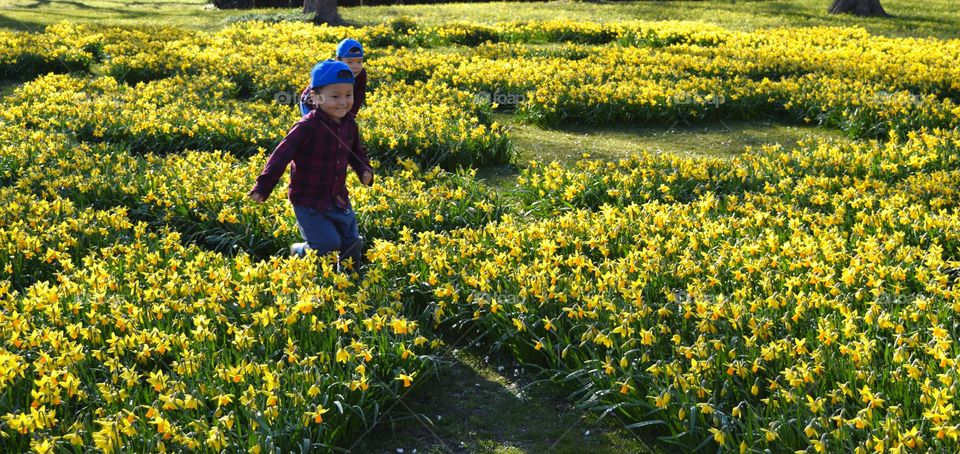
150, 345
177, 190
161, 116
862, 84
866, 109
39, 237
433, 124
807, 307
921, 165
63, 48
659, 72
781, 300
645, 33
242, 50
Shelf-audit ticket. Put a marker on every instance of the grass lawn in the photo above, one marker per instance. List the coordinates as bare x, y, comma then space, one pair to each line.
611, 142
920, 18
717, 139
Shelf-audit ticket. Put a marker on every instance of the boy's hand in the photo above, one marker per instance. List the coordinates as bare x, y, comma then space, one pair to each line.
366, 178
256, 196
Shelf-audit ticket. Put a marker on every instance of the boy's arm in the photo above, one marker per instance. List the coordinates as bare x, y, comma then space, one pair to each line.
359, 91
281, 156
358, 157
305, 105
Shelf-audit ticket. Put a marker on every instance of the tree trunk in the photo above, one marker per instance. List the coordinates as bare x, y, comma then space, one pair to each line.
233, 4
324, 11
858, 7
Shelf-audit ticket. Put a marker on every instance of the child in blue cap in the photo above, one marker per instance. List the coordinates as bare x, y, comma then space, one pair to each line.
321, 146
349, 51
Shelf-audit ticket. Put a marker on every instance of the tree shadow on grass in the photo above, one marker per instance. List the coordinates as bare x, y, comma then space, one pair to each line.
46, 3
10, 23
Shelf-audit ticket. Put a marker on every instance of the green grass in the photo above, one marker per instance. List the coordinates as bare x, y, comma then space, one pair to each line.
476, 405
571, 142
7, 88
35, 14
715, 139
919, 18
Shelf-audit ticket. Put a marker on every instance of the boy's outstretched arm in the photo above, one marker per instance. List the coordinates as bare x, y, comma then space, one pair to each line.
360, 162
277, 163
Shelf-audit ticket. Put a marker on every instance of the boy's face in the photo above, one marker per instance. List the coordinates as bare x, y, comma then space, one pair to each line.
355, 64
335, 99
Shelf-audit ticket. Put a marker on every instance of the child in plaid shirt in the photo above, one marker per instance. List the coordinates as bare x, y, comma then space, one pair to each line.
321, 146
350, 52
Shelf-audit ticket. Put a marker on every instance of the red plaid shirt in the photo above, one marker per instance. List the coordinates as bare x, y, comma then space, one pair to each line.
359, 93
320, 149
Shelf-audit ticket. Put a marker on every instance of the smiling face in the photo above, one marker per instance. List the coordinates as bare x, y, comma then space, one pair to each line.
355, 64
335, 99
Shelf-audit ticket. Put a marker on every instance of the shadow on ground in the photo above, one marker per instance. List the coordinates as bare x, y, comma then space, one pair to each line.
475, 406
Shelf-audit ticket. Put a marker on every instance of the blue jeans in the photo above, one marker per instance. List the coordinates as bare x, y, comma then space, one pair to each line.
329, 230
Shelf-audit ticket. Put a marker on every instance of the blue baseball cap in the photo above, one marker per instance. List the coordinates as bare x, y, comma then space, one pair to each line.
330, 72
349, 48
